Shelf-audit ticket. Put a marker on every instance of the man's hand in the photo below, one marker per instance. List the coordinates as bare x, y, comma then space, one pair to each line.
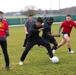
41, 29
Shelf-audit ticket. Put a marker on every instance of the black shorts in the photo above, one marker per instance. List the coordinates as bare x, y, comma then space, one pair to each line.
49, 39
52, 39
63, 33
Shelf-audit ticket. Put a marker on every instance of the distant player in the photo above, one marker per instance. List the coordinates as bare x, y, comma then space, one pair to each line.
28, 23
34, 39
67, 26
4, 32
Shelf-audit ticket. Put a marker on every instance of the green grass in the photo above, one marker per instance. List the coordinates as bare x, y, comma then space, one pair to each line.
37, 61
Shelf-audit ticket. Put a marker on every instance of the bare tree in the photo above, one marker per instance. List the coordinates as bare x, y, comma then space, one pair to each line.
29, 10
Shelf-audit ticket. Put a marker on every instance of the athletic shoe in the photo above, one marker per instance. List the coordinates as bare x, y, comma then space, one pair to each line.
40, 46
54, 51
71, 52
21, 63
47, 53
24, 47
50, 58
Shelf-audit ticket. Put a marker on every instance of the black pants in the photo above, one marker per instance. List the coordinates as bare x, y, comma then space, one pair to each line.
4, 49
25, 41
33, 42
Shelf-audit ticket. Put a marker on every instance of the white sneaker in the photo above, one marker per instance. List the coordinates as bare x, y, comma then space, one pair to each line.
40, 46
71, 52
21, 63
24, 47
51, 59
54, 51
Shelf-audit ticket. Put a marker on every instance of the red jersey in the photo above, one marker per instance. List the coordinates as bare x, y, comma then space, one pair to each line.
67, 26
3, 28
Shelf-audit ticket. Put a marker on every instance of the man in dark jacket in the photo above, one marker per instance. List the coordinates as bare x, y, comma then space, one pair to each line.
34, 38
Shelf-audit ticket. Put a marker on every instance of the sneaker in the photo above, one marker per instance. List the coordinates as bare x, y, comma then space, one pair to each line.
7, 68
24, 47
54, 51
21, 63
47, 53
71, 52
40, 46
51, 59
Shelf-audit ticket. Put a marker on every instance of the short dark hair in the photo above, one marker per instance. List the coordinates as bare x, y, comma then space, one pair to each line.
40, 20
51, 18
1, 12
68, 15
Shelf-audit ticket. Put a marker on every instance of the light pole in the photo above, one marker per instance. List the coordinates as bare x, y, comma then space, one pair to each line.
59, 4
51, 9
60, 10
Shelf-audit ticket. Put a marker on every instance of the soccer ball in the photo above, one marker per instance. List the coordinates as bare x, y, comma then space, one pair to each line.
55, 60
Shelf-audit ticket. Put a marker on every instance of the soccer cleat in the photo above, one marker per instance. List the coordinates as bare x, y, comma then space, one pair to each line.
71, 52
54, 51
21, 63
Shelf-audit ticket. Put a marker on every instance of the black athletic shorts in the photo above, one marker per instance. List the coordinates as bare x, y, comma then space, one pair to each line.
49, 39
52, 39
63, 33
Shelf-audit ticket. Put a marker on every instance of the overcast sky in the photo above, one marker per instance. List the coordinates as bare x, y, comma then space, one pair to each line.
17, 5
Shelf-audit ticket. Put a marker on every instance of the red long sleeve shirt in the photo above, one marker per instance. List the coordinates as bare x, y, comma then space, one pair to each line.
3, 28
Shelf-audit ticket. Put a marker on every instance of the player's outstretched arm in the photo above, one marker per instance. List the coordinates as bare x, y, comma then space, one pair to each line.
26, 30
59, 30
53, 35
7, 29
33, 29
45, 13
41, 29
74, 25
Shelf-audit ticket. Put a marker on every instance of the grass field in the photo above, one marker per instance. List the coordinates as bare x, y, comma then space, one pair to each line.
37, 61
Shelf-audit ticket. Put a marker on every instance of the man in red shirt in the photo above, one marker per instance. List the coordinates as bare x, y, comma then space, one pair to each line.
4, 32
67, 26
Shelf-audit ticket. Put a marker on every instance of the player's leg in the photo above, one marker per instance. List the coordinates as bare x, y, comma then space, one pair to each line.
54, 47
25, 41
29, 45
46, 45
54, 42
61, 43
67, 38
6, 57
